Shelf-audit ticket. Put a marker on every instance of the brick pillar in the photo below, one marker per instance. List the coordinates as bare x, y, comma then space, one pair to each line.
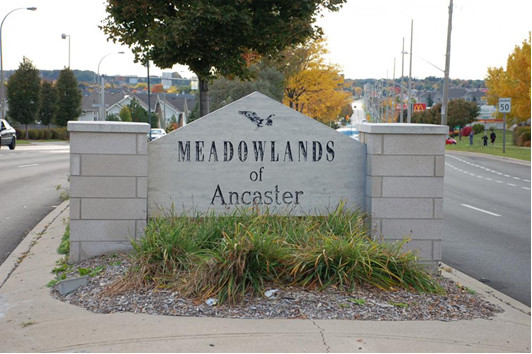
108, 186
404, 184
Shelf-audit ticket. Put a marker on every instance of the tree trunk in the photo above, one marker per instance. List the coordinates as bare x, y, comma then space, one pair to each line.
204, 99
27, 132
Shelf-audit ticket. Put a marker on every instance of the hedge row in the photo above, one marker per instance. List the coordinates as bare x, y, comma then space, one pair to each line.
43, 134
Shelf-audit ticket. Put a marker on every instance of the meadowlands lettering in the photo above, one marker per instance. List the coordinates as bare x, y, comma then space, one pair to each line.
256, 150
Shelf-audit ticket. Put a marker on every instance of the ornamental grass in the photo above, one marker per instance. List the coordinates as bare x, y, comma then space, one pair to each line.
227, 257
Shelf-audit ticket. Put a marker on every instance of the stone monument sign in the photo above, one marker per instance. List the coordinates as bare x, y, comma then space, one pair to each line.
255, 152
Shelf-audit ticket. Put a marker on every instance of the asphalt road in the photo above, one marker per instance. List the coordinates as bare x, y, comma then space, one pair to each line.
28, 179
486, 231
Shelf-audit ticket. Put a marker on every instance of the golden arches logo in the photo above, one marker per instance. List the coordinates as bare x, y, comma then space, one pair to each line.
419, 107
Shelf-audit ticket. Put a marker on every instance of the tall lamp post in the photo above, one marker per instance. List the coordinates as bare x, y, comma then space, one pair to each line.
2, 91
102, 88
64, 36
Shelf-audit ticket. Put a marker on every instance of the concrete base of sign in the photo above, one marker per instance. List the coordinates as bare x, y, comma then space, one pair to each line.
108, 186
404, 184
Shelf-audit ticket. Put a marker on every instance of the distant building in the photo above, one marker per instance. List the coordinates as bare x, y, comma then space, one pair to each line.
168, 107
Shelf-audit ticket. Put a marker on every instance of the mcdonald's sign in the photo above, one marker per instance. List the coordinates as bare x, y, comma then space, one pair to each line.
419, 107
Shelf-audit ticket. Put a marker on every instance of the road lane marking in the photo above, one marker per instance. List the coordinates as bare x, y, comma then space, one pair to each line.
478, 209
33, 164
526, 188
511, 184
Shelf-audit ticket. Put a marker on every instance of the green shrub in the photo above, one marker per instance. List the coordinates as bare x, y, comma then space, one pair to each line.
478, 128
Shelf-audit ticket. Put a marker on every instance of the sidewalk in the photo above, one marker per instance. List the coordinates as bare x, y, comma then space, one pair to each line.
32, 321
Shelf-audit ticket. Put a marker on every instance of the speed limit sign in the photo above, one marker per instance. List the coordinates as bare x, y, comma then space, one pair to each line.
505, 105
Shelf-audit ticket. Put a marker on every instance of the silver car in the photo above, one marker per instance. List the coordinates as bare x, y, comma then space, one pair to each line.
156, 133
8, 136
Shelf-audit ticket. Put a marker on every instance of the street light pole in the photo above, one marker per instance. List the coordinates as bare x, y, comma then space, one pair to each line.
2, 90
101, 115
64, 36
447, 64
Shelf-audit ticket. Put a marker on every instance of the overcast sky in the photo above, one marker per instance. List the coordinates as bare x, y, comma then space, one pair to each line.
363, 37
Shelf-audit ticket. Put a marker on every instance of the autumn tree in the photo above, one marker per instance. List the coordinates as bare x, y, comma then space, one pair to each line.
211, 36
314, 87
514, 83
68, 98
49, 107
24, 93
158, 88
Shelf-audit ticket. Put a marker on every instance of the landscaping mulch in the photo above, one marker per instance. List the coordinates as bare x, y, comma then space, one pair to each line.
365, 303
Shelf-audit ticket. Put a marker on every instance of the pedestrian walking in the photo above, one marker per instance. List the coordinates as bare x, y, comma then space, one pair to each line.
485, 139
471, 137
493, 136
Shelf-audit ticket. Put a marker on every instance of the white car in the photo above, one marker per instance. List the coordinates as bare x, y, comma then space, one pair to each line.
156, 133
350, 131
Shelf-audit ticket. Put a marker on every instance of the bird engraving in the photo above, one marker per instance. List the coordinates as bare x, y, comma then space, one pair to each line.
258, 121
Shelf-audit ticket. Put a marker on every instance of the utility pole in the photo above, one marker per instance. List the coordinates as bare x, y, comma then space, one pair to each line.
401, 113
409, 114
447, 64
394, 104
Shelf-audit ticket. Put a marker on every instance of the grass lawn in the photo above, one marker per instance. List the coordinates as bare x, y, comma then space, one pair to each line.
29, 142
516, 152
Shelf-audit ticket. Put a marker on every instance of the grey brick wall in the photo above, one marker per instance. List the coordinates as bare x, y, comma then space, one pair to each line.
108, 186
404, 184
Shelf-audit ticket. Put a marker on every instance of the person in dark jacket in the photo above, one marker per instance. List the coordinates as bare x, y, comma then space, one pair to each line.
492, 137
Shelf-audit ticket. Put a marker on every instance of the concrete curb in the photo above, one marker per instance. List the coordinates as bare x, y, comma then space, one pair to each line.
487, 292
15, 258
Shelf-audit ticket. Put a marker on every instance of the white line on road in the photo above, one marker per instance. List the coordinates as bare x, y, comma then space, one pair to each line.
478, 209
33, 164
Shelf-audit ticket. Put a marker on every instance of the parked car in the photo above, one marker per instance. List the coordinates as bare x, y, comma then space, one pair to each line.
350, 131
156, 133
450, 141
8, 136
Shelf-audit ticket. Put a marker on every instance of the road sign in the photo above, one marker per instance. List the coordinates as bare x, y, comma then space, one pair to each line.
505, 105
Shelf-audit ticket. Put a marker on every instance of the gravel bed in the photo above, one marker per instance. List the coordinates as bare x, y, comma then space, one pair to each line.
365, 303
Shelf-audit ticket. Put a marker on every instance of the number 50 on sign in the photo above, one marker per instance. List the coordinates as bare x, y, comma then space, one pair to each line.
505, 105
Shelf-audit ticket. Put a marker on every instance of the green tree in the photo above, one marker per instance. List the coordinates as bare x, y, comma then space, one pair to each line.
69, 98
49, 107
24, 93
125, 114
139, 114
266, 79
461, 113
430, 101
211, 36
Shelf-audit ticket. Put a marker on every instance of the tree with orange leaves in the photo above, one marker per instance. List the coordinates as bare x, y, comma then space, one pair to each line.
514, 83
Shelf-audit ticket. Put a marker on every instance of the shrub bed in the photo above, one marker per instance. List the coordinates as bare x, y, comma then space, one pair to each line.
227, 257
